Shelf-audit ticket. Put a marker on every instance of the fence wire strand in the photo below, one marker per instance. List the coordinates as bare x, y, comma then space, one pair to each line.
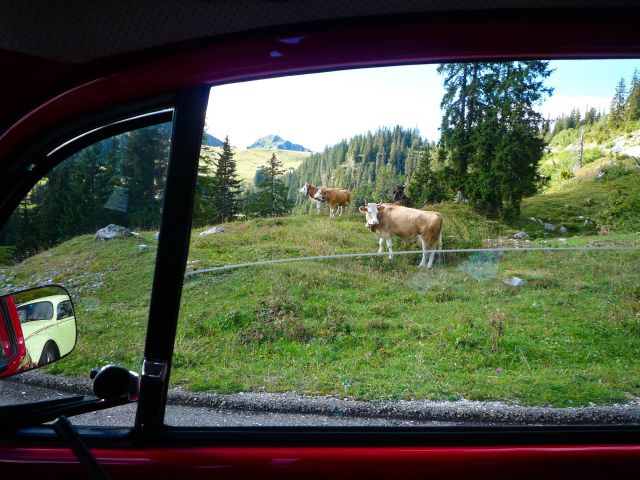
406, 252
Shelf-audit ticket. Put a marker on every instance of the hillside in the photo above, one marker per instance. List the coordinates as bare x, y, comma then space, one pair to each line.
210, 140
367, 328
602, 196
247, 161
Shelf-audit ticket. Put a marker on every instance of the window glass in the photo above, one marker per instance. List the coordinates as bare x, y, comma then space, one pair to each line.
64, 310
525, 173
90, 225
35, 311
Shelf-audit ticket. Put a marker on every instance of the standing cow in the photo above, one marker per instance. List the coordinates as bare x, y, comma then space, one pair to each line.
336, 198
386, 219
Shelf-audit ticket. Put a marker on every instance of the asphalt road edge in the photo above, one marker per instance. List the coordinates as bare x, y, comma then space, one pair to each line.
463, 411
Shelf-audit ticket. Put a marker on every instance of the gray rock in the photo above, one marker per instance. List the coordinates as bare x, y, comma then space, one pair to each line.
212, 231
549, 227
113, 231
156, 235
520, 236
562, 230
142, 246
515, 282
588, 202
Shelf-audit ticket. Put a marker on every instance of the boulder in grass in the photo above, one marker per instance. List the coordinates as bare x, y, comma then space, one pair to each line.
520, 236
113, 231
549, 227
212, 231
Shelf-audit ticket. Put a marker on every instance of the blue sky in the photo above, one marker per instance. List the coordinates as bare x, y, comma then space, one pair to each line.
321, 109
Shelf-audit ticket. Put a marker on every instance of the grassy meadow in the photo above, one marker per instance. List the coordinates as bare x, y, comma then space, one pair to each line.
367, 328
248, 160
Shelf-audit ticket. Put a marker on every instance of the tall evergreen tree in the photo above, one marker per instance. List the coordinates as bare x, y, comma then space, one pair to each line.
203, 210
616, 112
272, 191
591, 116
494, 156
424, 187
633, 100
462, 107
226, 185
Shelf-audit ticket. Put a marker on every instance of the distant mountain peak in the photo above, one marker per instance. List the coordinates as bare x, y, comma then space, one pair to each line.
277, 142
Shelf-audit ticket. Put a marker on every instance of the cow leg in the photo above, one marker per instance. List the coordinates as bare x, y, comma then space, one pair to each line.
317, 207
380, 243
390, 247
424, 263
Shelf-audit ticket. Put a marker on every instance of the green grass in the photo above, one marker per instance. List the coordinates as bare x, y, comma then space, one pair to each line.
247, 160
586, 204
367, 328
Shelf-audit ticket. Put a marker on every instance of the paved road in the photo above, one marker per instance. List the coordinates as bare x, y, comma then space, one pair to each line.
12, 392
292, 409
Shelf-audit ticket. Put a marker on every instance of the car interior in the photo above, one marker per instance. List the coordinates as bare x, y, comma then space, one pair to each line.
194, 341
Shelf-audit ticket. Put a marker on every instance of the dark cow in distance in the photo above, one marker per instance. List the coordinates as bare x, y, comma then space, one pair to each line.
336, 198
385, 220
399, 197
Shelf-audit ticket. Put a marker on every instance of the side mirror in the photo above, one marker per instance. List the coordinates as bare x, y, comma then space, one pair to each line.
37, 327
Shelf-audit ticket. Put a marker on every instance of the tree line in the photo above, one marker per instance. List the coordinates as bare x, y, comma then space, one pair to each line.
221, 196
492, 139
118, 180
623, 112
370, 165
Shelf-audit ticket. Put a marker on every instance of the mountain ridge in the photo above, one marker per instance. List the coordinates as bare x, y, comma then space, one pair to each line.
277, 142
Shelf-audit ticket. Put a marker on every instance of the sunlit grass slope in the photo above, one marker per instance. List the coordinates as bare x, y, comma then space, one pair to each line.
367, 328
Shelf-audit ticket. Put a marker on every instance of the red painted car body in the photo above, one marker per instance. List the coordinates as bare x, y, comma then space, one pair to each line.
597, 461
44, 96
13, 347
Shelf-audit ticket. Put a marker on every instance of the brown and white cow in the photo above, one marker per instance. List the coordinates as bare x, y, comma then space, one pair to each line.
336, 198
386, 219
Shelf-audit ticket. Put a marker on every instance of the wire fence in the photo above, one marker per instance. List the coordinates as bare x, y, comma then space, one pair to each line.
406, 252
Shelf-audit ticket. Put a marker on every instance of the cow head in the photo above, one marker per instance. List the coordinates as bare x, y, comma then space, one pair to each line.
371, 211
305, 188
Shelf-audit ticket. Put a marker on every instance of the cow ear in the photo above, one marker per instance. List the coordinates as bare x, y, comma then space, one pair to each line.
363, 209
380, 208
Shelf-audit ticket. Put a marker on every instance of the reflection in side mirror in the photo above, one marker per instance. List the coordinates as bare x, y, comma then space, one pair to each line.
37, 327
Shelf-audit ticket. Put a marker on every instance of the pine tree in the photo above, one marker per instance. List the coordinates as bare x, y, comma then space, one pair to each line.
633, 100
421, 181
203, 210
272, 191
616, 112
591, 116
226, 185
493, 157
462, 106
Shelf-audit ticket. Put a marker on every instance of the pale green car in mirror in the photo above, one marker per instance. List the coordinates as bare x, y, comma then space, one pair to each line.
48, 326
